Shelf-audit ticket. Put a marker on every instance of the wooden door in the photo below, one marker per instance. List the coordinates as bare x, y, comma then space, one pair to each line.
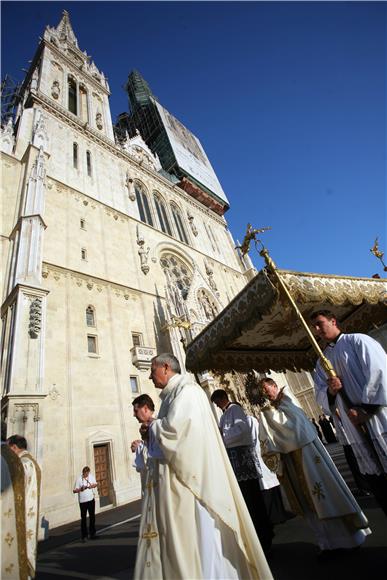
102, 473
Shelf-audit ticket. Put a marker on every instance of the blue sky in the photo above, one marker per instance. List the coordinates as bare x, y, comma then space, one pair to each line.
288, 100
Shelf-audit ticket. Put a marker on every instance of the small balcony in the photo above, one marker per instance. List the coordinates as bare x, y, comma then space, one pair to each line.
142, 356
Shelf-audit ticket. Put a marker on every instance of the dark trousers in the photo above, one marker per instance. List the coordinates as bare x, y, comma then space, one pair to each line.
376, 484
87, 506
255, 504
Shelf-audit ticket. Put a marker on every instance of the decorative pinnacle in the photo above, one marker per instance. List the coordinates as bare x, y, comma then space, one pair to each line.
251, 235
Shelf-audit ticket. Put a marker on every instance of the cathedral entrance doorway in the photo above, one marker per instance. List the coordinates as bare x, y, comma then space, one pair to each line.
102, 474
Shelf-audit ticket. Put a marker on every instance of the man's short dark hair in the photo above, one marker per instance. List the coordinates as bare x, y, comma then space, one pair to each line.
219, 395
143, 400
324, 312
18, 440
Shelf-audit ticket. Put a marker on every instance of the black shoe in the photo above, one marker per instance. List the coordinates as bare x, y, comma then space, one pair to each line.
93, 537
84, 540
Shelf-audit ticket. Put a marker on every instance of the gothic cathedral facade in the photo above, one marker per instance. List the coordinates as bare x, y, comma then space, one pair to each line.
108, 261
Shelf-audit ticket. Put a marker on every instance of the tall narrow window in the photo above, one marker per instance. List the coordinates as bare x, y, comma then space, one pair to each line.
137, 338
72, 85
84, 254
90, 316
83, 224
179, 223
91, 344
143, 205
88, 163
75, 155
209, 237
134, 385
162, 214
83, 113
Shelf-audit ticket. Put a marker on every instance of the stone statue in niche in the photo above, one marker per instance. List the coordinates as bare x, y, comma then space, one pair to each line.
98, 120
143, 253
192, 224
55, 90
210, 274
130, 186
209, 309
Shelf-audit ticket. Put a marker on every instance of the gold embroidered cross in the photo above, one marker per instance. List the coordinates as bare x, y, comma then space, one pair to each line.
149, 535
8, 513
318, 491
9, 569
317, 459
31, 512
9, 539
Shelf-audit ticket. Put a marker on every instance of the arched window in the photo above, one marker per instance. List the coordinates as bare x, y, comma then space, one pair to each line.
177, 272
88, 163
75, 155
179, 223
90, 316
72, 86
143, 204
162, 214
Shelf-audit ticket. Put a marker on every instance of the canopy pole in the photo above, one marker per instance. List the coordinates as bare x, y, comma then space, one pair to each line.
326, 364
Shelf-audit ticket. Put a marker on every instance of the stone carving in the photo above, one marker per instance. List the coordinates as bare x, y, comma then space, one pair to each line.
208, 307
55, 90
39, 133
140, 152
143, 253
7, 137
35, 325
130, 186
34, 79
192, 224
98, 120
210, 274
53, 393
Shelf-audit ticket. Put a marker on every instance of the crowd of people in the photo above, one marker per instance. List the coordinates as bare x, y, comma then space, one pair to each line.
214, 490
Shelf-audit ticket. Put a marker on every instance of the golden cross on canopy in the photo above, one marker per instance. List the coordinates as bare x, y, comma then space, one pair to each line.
378, 254
251, 234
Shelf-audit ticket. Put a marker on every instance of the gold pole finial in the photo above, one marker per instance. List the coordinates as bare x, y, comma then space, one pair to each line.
378, 254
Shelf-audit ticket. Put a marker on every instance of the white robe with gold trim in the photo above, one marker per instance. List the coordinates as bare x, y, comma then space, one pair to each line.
14, 564
32, 475
195, 523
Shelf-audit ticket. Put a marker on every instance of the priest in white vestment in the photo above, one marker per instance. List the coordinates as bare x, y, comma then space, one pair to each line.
314, 487
32, 482
356, 398
195, 524
14, 562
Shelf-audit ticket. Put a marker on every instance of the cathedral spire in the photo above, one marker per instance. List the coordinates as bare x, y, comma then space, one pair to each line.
65, 30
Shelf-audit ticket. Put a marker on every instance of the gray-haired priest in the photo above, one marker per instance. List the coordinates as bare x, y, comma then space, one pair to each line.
195, 523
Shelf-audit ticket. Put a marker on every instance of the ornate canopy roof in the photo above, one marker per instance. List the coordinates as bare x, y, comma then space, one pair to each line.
259, 329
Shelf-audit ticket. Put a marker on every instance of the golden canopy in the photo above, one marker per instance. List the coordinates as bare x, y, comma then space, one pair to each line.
259, 328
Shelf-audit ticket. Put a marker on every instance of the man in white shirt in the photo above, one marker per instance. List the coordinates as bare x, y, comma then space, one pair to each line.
357, 397
237, 437
84, 486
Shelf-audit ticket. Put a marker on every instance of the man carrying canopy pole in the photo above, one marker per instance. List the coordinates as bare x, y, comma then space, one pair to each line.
357, 398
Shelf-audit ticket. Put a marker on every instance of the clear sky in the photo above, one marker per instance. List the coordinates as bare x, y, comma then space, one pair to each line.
287, 98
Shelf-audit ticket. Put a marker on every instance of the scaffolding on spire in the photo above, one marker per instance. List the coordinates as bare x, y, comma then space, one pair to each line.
10, 97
